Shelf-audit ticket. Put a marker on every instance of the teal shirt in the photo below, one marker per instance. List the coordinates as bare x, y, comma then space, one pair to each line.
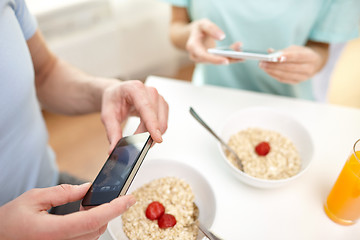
263, 24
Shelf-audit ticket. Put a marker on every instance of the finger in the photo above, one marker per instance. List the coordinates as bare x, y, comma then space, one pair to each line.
284, 77
109, 117
59, 195
153, 96
237, 60
163, 114
298, 55
142, 128
161, 109
300, 68
92, 235
236, 46
198, 51
270, 50
212, 29
144, 107
96, 218
201, 55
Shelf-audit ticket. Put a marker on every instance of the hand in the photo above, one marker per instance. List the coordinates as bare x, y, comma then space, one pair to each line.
297, 64
203, 35
133, 98
26, 217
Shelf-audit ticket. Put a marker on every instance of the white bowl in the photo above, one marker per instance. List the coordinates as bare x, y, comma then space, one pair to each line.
269, 119
157, 168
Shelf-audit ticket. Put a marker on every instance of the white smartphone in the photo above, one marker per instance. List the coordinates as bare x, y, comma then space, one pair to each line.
246, 54
119, 170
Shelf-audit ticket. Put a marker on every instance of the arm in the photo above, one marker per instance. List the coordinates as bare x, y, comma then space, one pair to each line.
180, 27
60, 87
64, 89
298, 63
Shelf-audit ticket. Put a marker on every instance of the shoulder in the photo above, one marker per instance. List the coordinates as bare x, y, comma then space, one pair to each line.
26, 20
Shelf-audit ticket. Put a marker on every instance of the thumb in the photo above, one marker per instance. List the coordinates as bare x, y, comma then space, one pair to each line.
61, 194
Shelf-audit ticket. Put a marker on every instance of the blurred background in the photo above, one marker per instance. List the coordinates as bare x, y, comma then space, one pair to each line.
128, 39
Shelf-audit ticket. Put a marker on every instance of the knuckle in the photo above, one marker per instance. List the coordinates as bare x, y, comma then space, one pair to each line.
153, 91
33, 193
137, 84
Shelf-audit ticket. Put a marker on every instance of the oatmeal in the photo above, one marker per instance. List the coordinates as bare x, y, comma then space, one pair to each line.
177, 197
282, 161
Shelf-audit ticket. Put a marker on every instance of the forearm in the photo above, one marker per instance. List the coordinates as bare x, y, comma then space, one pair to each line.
180, 27
60, 87
67, 90
179, 34
322, 50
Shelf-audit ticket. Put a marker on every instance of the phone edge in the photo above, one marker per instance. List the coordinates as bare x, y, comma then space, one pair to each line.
136, 167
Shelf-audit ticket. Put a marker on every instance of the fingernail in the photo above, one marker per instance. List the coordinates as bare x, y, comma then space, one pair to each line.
85, 184
261, 65
159, 135
282, 59
225, 62
221, 36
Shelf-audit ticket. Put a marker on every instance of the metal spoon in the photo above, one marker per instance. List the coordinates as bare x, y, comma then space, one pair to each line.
198, 118
201, 227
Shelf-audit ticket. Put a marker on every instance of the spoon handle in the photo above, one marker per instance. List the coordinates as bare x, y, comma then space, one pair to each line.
199, 119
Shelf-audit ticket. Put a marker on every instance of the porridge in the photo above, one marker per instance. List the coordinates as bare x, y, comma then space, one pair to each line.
177, 198
281, 160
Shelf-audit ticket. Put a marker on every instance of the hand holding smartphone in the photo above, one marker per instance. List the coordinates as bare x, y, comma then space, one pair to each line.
246, 54
119, 169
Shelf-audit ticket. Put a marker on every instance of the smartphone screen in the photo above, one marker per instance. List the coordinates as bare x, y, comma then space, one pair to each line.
119, 170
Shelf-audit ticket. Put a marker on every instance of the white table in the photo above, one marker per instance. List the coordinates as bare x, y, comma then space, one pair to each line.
294, 211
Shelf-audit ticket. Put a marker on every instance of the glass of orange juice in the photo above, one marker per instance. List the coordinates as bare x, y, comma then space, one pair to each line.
343, 203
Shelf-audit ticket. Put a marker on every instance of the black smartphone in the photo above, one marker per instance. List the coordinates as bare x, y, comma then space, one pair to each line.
119, 169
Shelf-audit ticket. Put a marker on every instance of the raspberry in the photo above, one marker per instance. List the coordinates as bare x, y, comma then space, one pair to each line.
262, 149
166, 221
154, 210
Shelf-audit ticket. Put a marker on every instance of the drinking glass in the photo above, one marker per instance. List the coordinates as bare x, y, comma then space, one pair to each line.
343, 203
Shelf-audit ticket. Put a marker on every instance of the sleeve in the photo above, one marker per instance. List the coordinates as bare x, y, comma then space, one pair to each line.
178, 3
26, 20
337, 22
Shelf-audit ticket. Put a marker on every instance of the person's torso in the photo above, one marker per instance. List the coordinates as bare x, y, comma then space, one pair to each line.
259, 25
25, 160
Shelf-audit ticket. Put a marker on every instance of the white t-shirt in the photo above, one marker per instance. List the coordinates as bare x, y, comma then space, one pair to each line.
26, 160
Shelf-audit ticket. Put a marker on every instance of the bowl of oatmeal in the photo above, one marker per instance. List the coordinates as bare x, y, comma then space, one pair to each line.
182, 190
275, 148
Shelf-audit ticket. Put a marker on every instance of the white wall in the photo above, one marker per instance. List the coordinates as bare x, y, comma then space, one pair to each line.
114, 38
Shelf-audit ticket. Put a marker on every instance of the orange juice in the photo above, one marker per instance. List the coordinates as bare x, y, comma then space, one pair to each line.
343, 203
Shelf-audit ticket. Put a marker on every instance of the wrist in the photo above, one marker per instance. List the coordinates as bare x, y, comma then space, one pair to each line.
99, 86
